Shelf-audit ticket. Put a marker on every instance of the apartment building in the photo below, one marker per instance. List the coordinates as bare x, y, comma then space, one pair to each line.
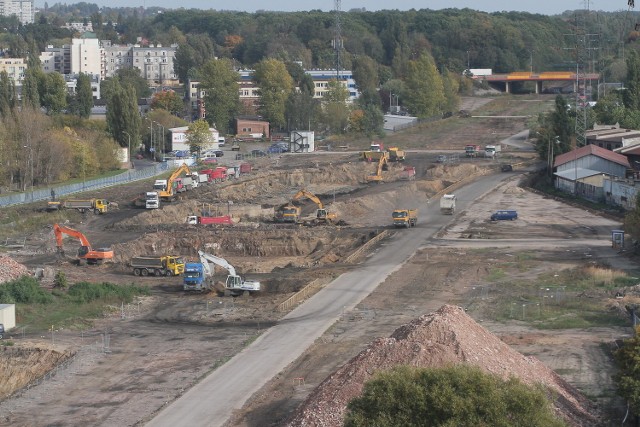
15, 68
321, 79
22, 9
155, 62
87, 56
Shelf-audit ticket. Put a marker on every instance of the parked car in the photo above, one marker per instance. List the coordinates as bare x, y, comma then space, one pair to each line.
258, 153
210, 160
506, 168
276, 149
508, 215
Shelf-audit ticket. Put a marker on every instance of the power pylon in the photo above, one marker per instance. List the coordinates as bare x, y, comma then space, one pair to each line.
337, 39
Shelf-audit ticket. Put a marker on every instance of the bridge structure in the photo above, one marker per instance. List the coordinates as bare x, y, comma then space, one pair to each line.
537, 78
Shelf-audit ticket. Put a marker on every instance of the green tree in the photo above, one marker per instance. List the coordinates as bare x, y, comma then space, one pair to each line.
167, 100
192, 55
123, 116
425, 97
83, 96
301, 111
30, 94
302, 80
7, 94
451, 86
335, 111
53, 96
632, 226
222, 97
127, 77
631, 95
274, 86
461, 396
628, 358
199, 136
365, 73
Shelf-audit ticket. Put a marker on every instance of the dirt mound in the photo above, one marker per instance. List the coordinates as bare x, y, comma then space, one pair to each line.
19, 366
445, 337
10, 269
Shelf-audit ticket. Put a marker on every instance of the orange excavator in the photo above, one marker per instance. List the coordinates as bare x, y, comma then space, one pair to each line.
85, 253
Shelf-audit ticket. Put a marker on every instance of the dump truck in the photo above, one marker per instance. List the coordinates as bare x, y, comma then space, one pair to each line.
98, 206
396, 154
405, 217
491, 151
196, 219
166, 265
472, 150
448, 204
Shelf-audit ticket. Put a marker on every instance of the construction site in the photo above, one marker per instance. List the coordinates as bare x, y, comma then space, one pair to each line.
288, 228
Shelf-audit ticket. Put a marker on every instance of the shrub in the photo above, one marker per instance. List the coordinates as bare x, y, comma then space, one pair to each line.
25, 290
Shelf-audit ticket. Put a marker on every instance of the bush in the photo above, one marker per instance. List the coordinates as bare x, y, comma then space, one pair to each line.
85, 292
25, 290
60, 281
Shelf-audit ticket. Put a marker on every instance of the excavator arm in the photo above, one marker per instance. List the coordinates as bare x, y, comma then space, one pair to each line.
85, 252
304, 193
175, 175
206, 258
60, 231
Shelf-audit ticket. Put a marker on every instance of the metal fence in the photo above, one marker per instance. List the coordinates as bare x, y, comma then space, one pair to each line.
94, 184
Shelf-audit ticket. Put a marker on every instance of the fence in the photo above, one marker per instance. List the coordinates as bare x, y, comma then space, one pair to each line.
94, 184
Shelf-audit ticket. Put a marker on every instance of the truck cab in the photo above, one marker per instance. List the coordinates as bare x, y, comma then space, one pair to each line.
160, 184
152, 201
193, 278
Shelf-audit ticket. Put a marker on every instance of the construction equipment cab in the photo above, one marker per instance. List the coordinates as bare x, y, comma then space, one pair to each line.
168, 194
381, 166
322, 214
448, 204
405, 217
85, 253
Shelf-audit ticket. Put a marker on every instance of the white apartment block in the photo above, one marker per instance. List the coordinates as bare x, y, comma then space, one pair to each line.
321, 80
87, 56
22, 9
15, 68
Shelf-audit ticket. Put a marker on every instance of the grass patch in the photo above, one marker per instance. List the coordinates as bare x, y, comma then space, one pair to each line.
496, 274
71, 309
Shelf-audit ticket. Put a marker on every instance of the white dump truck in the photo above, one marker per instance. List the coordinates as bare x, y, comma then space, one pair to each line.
448, 204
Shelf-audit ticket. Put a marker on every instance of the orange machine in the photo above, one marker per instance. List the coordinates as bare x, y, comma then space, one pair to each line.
85, 252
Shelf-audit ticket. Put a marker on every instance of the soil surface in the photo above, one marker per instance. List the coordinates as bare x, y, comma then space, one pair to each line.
139, 357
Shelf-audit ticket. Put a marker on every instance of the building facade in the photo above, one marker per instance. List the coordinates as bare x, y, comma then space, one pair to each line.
87, 56
22, 9
15, 68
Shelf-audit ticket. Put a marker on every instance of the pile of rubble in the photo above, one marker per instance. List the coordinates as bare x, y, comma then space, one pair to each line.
446, 337
10, 269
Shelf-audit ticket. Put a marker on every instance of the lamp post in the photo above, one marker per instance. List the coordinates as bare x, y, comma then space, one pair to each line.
468, 62
556, 141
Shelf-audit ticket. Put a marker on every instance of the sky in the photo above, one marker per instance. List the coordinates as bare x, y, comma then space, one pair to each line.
545, 7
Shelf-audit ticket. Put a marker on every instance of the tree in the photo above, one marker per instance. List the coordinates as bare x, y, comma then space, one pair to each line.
628, 362
426, 95
301, 110
30, 93
631, 95
632, 223
274, 86
451, 86
192, 55
83, 96
8, 96
122, 114
53, 96
199, 136
222, 97
167, 100
335, 112
365, 73
461, 396
127, 77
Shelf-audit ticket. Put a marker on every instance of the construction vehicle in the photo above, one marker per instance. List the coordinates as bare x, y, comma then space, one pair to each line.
491, 151
408, 173
201, 219
382, 166
85, 253
405, 217
164, 265
375, 152
234, 284
448, 204
322, 215
396, 154
194, 277
288, 213
472, 150
166, 189
152, 200
98, 206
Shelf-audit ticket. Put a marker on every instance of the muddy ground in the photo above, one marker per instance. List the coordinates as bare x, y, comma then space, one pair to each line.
141, 356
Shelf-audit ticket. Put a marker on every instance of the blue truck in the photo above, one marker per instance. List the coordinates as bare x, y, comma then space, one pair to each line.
194, 277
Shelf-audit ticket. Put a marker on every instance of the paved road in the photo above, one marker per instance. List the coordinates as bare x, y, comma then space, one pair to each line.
212, 401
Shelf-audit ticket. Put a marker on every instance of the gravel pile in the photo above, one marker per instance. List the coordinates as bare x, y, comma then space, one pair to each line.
10, 269
442, 338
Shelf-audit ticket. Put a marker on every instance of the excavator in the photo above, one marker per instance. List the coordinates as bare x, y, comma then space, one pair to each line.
85, 253
382, 166
322, 215
234, 284
166, 190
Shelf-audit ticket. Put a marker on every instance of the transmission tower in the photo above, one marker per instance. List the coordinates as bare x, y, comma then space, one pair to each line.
337, 39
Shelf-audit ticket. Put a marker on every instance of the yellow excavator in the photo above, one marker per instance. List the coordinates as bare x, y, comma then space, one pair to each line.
291, 213
382, 166
166, 190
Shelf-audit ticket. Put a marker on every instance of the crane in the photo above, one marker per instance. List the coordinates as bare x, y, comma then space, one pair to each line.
234, 283
382, 166
85, 253
321, 213
168, 193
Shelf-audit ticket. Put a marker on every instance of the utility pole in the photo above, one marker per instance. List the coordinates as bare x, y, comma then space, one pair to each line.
337, 39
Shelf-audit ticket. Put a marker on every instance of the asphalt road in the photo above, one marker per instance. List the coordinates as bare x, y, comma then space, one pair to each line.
212, 401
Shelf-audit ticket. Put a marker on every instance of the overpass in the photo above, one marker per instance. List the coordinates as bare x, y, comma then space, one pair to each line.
538, 78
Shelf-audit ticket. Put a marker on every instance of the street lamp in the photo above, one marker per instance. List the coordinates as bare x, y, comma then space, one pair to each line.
556, 141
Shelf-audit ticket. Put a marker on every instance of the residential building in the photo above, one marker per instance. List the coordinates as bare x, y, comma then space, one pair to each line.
72, 83
22, 9
79, 26
180, 142
582, 171
321, 79
15, 68
87, 55
56, 59
155, 62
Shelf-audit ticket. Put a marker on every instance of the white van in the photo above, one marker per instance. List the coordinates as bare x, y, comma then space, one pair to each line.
221, 141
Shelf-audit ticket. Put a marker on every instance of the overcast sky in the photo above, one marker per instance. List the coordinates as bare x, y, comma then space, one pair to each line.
546, 7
